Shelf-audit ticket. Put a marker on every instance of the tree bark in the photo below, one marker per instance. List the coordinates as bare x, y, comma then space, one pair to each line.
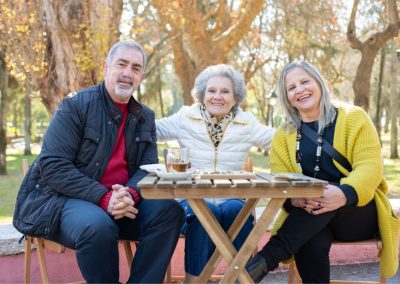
394, 103
378, 113
369, 50
3, 115
387, 120
97, 24
28, 120
159, 83
197, 42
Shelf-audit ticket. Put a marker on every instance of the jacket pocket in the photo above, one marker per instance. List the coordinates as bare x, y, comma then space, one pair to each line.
142, 140
89, 144
38, 214
143, 136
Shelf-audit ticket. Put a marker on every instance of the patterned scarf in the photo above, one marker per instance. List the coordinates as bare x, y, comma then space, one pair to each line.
216, 128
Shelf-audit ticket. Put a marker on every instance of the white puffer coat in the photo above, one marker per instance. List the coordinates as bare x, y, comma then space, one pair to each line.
188, 127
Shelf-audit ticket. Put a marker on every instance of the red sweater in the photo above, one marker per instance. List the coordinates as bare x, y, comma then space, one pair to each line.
117, 167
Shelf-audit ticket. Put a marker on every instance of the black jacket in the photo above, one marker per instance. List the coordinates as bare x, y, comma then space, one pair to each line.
75, 152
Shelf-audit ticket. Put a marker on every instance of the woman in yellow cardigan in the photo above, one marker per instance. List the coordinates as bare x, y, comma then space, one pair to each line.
354, 204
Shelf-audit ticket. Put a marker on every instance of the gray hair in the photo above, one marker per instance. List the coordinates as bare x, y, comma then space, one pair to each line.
126, 43
293, 118
200, 84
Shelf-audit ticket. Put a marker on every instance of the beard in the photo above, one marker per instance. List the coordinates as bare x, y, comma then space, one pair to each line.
123, 90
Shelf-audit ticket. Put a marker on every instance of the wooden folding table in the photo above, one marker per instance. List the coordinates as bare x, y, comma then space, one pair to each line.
252, 190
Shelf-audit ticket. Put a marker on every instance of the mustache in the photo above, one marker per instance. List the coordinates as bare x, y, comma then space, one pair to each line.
126, 80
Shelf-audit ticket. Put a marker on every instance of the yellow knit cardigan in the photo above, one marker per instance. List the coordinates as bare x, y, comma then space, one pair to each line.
356, 138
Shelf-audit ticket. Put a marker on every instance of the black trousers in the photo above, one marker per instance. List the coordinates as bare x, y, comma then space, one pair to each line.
309, 238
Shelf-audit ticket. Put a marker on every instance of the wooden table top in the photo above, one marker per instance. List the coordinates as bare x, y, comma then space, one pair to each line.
263, 185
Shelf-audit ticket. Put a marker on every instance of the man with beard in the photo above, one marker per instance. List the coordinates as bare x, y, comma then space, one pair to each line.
82, 192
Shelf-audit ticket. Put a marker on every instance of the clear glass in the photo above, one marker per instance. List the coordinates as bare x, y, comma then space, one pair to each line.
176, 159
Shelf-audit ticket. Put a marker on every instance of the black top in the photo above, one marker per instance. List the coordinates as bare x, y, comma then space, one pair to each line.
328, 171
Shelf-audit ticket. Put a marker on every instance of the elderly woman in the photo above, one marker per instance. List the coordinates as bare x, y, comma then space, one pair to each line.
219, 135
354, 204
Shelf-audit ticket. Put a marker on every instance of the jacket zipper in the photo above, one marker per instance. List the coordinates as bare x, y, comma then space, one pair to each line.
111, 128
216, 148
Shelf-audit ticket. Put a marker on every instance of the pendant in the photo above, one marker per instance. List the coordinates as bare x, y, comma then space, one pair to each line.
319, 149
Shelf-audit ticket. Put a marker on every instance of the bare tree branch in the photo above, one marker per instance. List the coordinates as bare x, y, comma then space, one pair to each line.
248, 11
351, 28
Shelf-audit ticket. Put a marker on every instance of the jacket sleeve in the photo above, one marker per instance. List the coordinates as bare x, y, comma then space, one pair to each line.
364, 153
169, 127
60, 146
263, 135
279, 155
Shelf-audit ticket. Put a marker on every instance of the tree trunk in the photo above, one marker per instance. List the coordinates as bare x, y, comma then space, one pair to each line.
394, 103
15, 121
387, 120
361, 84
187, 69
159, 83
65, 20
378, 113
196, 41
28, 120
139, 94
369, 50
3, 115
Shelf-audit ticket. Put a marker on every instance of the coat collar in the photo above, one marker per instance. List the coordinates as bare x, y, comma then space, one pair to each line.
133, 106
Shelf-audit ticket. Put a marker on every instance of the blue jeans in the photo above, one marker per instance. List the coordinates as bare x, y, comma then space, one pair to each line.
198, 245
89, 230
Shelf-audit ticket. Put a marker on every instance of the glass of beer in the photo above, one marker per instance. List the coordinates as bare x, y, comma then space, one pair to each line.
176, 159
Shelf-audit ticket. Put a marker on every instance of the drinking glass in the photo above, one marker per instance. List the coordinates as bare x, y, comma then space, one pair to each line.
176, 159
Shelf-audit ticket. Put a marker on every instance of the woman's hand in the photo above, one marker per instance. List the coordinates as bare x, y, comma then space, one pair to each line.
298, 202
332, 199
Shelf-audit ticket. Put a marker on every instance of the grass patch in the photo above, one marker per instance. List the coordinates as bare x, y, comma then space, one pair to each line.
391, 167
9, 185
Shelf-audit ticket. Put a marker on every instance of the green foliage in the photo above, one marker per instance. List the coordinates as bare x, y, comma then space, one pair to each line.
90, 53
16, 116
24, 40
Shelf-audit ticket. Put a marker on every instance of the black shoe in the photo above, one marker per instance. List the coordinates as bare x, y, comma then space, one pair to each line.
257, 268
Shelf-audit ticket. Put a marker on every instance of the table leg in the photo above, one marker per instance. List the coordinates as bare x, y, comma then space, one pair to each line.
216, 233
233, 231
238, 263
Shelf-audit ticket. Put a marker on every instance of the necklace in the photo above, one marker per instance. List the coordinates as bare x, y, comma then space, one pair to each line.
317, 154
